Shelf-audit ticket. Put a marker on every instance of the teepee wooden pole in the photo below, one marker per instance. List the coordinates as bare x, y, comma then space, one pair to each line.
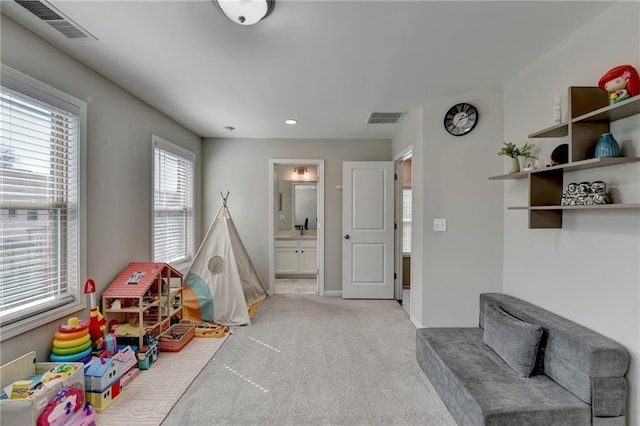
224, 198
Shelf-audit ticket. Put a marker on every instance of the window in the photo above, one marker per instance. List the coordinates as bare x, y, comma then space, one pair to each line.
406, 220
41, 249
173, 219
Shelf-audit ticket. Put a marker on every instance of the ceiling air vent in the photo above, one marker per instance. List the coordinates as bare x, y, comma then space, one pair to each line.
385, 117
46, 12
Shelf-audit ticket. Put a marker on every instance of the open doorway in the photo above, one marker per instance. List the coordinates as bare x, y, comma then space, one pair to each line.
404, 199
296, 236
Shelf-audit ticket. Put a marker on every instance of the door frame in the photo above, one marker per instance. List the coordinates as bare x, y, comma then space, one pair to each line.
398, 159
319, 163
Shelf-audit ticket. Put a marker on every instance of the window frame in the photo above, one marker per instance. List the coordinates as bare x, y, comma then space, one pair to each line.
407, 221
41, 91
165, 145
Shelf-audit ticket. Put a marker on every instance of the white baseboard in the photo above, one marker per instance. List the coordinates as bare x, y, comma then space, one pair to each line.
415, 322
333, 293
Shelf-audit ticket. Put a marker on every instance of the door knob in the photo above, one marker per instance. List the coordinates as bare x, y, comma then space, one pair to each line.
346, 237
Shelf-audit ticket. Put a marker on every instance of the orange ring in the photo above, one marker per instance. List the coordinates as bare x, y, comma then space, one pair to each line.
69, 336
70, 343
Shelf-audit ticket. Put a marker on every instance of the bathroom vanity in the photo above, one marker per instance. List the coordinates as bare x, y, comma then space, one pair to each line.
296, 255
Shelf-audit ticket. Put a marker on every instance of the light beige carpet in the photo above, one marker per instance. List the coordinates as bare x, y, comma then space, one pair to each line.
149, 397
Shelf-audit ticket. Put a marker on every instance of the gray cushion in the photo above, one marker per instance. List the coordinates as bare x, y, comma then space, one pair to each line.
515, 341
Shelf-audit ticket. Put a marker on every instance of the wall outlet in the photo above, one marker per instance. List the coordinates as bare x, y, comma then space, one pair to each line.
440, 225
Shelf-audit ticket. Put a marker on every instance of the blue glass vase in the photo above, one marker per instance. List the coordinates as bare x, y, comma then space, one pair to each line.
607, 146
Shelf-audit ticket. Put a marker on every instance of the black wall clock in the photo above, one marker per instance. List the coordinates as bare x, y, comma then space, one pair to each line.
461, 119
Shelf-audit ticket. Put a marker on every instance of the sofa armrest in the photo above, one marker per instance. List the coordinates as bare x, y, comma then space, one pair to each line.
609, 401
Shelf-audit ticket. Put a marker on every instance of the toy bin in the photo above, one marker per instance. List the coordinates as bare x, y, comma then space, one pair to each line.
21, 412
177, 337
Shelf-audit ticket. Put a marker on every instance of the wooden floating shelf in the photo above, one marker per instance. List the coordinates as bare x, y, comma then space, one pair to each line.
612, 112
591, 163
583, 207
602, 115
555, 131
511, 176
588, 207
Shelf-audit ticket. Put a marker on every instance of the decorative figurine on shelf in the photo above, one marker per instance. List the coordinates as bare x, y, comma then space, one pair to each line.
584, 189
621, 82
599, 193
569, 195
585, 194
560, 154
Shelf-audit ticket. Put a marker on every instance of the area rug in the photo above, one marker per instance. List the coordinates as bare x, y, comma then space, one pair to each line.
150, 396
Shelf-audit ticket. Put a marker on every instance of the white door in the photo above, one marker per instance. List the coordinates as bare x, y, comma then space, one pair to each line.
367, 230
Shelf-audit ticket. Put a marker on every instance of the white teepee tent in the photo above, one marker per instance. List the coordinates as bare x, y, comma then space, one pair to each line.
222, 285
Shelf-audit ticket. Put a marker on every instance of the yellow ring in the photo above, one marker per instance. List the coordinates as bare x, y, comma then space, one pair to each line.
70, 351
70, 343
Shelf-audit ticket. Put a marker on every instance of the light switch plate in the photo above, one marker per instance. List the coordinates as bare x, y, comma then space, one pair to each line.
440, 225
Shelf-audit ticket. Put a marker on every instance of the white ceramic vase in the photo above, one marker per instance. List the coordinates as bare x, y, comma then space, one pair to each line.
513, 165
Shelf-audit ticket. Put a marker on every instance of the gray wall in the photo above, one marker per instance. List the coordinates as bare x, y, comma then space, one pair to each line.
241, 166
588, 271
119, 176
450, 269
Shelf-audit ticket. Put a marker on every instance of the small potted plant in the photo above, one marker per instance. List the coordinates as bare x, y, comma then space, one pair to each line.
511, 150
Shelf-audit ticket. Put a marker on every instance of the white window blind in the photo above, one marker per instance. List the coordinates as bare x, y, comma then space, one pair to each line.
39, 200
406, 220
172, 203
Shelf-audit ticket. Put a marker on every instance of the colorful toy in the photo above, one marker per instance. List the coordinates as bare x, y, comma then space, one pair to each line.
58, 372
22, 389
102, 400
62, 407
84, 417
102, 381
97, 322
207, 329
72, 342
621, 82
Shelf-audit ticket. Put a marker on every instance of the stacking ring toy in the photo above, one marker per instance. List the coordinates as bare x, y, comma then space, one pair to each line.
71, 335
71, 343
70, 358
73, 326
73, 350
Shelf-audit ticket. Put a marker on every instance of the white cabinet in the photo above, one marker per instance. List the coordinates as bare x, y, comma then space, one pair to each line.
286, 257
296, 257
308, 257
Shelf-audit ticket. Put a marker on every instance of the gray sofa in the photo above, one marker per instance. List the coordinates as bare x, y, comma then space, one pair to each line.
577, 375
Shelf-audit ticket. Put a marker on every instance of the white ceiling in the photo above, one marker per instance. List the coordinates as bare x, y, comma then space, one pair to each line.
326, 63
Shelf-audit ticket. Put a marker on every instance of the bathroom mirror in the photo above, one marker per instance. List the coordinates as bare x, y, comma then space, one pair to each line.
297, 201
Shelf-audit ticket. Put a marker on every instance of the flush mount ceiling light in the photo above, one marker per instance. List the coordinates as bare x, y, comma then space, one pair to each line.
246, 12
291, 121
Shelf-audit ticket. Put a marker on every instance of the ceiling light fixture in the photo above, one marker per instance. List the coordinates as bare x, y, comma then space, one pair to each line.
229, 129
246, 12
291, 121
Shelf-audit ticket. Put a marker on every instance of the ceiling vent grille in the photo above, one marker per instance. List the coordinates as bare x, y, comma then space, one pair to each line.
385, 117
47, 13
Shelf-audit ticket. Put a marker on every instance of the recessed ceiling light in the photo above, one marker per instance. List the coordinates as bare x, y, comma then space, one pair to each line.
228, 129
291, 121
